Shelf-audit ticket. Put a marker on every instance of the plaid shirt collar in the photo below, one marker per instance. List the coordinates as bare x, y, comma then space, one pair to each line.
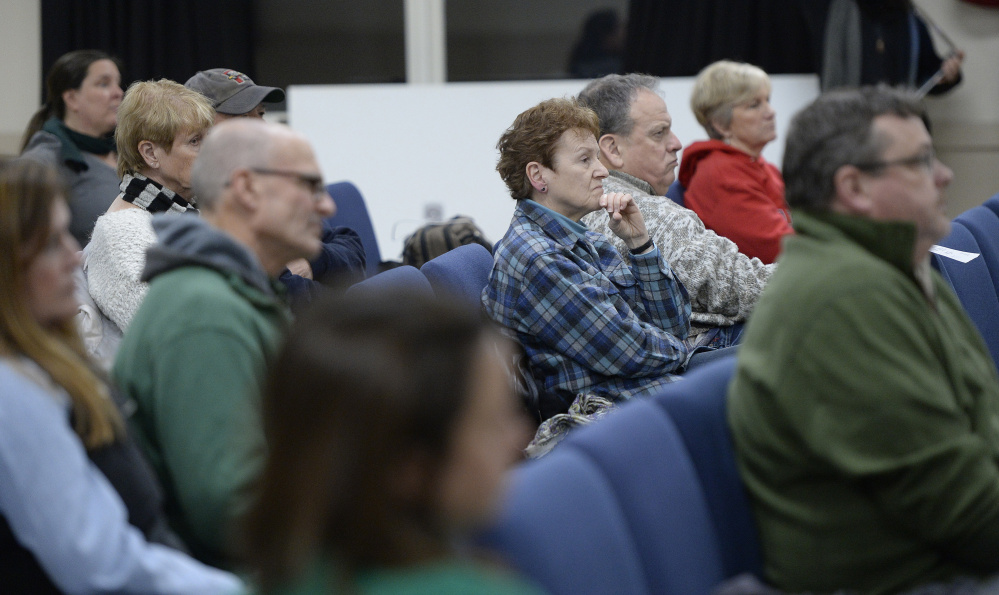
558, 227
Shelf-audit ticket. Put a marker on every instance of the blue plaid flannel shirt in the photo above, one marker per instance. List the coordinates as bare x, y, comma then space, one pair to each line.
588, 322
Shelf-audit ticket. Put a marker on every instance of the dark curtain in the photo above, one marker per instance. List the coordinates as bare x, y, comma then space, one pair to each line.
153, 38
680, 37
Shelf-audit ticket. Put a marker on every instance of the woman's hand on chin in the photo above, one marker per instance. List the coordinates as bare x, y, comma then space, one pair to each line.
626, 220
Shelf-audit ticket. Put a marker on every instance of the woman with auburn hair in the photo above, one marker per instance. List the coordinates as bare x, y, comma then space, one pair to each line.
591, 324
727, 182
73, 131
79, 508
391, 423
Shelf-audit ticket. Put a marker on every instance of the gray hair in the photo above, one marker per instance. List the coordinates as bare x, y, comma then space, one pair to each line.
241, 143
611, 97
837, 129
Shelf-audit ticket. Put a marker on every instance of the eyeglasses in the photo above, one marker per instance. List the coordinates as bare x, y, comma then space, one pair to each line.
312, 182
924, 160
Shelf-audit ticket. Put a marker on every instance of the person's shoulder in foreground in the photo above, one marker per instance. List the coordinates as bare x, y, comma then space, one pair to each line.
445, 577
865, 407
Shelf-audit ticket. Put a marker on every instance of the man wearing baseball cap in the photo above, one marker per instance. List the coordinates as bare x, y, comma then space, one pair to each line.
233, 94
341, 261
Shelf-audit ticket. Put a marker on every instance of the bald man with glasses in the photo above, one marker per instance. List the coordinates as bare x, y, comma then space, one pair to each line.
194, 358
865, 406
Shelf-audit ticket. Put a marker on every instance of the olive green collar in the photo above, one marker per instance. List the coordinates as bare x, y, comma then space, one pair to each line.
892, 241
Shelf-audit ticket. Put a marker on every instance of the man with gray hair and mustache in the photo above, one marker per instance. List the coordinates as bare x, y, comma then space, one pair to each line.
193, 359
639, 150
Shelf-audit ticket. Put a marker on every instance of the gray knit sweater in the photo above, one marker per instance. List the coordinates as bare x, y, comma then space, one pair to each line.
723, 283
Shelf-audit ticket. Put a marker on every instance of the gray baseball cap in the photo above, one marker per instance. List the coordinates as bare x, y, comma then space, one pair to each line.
232, 92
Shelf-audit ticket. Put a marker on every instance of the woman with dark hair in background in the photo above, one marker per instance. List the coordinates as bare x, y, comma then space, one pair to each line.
79, 507
73, 131
391, 423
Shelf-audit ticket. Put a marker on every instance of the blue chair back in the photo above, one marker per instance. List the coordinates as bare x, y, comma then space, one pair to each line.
462, 272
675, 192
699, 412
401, 277
564, 527
353, 213
993, 203
983, 223
973, 282
620, 507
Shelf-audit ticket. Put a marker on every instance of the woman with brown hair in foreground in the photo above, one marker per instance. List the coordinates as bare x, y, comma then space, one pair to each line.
391, 424
79, 508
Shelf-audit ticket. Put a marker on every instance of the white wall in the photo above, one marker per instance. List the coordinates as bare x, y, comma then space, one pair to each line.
410, 146
21, 48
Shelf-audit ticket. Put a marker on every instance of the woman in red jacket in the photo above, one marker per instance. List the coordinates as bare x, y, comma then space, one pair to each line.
736, 192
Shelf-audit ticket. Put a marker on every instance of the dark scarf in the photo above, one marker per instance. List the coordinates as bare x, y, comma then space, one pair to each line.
74, 142
153, 197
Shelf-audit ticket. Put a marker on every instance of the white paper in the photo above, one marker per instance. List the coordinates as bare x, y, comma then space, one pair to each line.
952, 254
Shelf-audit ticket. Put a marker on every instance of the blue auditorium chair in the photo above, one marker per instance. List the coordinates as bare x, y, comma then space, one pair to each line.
983, 223
353, 213
993, 203
675, 192
622, 505
401, 277
973, 282
699, 412
462, 272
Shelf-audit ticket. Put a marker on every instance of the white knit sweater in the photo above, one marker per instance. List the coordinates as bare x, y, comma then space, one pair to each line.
115, 259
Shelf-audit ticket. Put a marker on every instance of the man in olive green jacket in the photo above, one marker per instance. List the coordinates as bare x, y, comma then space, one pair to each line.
865, 407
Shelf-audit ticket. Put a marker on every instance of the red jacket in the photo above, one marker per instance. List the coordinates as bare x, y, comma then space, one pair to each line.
737, 196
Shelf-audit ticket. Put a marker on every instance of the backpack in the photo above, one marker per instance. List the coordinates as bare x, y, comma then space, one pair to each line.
434, 239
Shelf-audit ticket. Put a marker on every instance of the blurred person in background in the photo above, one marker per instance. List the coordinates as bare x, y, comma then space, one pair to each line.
233, 94
884, 41
600, 46
73, 130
